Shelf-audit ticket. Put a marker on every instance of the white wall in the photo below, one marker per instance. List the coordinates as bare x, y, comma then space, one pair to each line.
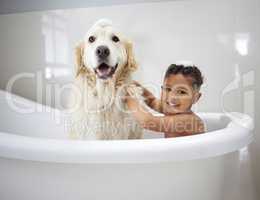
15, 6
221, 37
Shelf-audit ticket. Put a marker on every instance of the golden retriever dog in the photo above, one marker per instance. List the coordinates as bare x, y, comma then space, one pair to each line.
104, 64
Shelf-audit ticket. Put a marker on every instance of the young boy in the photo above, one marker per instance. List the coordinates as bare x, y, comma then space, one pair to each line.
180, 91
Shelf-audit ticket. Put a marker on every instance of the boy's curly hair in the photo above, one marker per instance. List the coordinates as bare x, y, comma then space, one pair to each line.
191, 71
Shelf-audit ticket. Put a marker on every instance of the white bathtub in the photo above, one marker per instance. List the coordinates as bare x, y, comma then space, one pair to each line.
37, 162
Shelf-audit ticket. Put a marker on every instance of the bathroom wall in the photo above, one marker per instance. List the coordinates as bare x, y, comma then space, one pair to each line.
221, 37
16, 6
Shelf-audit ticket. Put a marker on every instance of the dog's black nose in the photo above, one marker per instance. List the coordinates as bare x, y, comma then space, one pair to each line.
102, 52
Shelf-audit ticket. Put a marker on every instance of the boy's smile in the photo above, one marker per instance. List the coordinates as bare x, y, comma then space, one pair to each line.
178, 94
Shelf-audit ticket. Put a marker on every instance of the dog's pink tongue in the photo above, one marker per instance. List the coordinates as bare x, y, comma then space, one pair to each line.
104, 71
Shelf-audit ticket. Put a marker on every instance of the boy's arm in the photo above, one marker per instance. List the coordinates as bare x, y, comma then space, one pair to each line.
172, 126
150, 99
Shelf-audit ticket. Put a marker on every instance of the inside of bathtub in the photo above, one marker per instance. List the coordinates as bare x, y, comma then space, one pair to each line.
46, 122
51, 125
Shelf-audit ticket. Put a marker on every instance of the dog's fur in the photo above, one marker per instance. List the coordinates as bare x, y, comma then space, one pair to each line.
100, 112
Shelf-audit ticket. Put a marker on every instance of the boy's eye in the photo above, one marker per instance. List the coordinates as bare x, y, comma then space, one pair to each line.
167, 89
181, 92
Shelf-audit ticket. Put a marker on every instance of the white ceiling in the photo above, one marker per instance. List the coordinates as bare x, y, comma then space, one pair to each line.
15, 6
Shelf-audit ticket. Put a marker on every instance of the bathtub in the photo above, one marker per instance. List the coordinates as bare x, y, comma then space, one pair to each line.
38, 162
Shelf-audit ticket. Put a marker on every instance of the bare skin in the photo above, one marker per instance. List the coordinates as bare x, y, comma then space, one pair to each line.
177, 97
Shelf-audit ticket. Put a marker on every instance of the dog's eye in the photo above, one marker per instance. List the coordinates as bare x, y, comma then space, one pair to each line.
91, 39
115, 38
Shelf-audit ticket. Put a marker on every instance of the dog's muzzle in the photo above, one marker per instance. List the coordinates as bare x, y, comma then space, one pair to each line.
104, 70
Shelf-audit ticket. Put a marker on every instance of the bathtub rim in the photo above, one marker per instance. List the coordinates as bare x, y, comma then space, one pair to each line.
211, 144
215, 143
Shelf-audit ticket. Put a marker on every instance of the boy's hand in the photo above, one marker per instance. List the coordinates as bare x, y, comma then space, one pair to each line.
149, 98
134, 91
136, 83
130, 90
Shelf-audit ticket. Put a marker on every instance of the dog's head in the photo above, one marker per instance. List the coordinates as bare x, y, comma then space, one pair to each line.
104, 52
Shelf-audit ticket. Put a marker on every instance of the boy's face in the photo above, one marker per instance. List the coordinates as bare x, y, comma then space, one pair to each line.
178, 95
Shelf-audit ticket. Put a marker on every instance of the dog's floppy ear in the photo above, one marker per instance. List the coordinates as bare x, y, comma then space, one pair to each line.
81, 68
79, 53
131, 62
